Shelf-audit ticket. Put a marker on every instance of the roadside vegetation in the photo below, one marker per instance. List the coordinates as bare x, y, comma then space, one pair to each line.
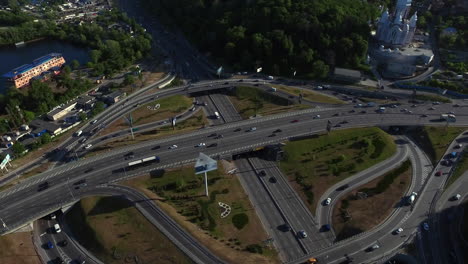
18, 248
309, 95
315, 164
169, 107
432, 98
435, 140
367, 206
237, 238
197, 121
280, 36
116, 232
462, 167
250, 101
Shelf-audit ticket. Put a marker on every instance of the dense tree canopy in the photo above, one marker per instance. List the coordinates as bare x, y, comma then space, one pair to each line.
279, 35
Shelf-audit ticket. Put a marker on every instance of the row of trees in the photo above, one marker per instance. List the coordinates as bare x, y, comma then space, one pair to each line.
282, 36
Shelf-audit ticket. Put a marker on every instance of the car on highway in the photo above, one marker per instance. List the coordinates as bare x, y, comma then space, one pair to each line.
398, 231
363, 112
317, 117
129, 155
294, 121
312, 261
237, 129
252, 129
202, 144
431, 108
58, 260
94, 121
456, 197
285, 228
373, 247
436, 103
262, 173
173, 147
425, 226
278, 131
155, 147
219, 136
456, 105
325, 228
88, 146
49, 245
302, 233
342, 187
81, 186
43, 186
352, 111
272, 135
57, 228
327, 201
458, 146
212, 145
438, 173
423, 115
212, 135
273, 179
83, 140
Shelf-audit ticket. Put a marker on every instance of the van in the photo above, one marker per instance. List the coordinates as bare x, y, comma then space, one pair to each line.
57, 228
78, 133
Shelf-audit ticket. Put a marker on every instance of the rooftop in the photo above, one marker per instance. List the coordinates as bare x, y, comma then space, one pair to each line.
26, 67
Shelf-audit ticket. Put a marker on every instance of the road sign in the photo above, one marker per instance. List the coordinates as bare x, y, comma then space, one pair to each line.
205, 164
5, 161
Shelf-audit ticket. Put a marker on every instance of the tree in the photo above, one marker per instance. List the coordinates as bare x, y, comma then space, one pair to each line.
46, 138
75, 64
82, 116
129, 79
98, 108
18, 149
320, 69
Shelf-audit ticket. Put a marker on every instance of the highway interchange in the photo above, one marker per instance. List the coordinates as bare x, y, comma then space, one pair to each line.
276, 204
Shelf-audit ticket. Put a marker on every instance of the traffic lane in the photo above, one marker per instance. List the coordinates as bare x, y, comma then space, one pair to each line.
307, 122
356, 120
225, 107
324, 212
285, 241
295, 212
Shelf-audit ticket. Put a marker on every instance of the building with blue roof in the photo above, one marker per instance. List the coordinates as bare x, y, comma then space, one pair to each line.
22, 75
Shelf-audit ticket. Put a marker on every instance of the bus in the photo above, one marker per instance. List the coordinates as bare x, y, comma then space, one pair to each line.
216, 114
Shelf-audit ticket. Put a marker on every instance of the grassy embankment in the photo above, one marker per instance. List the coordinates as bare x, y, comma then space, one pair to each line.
181, 194
115, 232
195, 122
18, 248
309, 95
251, 101
315, 164
169, 107
354, 214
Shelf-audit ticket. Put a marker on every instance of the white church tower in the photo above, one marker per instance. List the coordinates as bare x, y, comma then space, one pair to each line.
395, 30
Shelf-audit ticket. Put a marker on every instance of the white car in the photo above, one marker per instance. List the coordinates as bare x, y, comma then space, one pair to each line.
173, 147
94, 121
53, 216
201, 144
57, 228
399, 230
327, 201
88, 146
317, 117
302, 233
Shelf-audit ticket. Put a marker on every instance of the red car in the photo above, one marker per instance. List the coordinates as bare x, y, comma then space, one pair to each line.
295, 121
439, 173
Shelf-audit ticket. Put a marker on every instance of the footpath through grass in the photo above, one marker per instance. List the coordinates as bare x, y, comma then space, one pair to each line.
309, 95
115, 232
435, 140
169, 107
315, 164
250, 101
234, 237
355, 213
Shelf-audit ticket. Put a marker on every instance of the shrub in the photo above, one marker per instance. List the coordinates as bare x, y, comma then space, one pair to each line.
240, 220
379, 146
254, 248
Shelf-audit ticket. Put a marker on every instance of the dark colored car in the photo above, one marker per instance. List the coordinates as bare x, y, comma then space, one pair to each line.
212, 145
325, 228
43, 186
80, 182
295, 121
49, 245
262, 173
278, 131
156, 147
237, 129
273, 179
342, 187
439, 173
59, 260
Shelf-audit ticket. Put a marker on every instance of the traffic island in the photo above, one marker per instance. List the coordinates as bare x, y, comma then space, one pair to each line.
368, 205
225, 221
151, 112
309, 95
315, 164
114, 231
250, 101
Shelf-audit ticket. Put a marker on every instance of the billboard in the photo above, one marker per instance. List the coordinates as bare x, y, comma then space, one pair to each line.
205, 164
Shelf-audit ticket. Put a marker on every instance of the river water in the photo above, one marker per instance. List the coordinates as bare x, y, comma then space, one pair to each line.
12, 57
